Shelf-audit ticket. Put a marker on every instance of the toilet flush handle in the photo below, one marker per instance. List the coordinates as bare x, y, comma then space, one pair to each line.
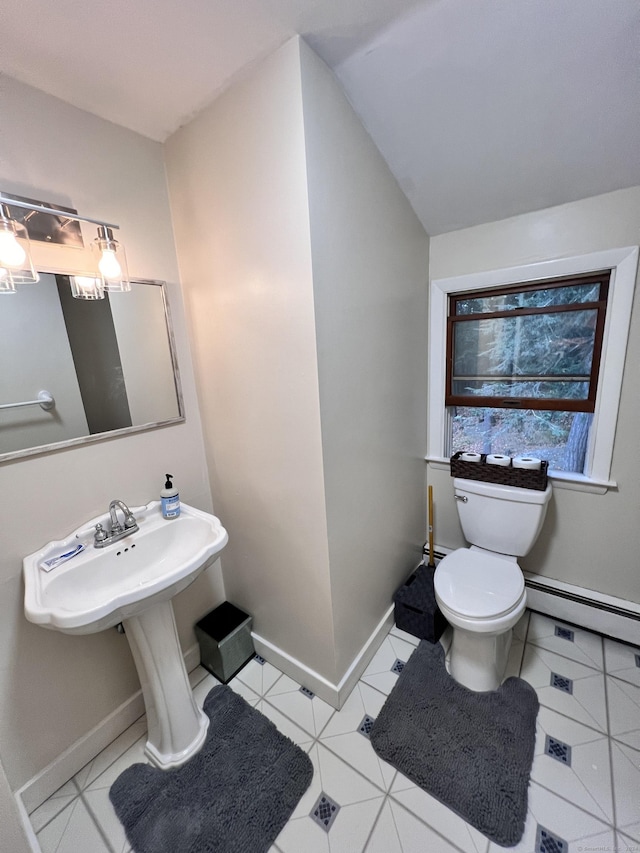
462, 498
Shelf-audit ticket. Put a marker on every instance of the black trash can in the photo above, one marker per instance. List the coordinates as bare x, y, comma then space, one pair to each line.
226, 644
416, 609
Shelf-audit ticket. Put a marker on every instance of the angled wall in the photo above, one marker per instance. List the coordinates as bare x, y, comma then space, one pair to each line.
370, 265
305, 273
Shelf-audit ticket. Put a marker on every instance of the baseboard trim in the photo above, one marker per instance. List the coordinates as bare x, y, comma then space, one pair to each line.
38, 789
605, 614
334, 694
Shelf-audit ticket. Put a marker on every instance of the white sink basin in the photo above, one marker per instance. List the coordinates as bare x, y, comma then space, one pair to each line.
101, 587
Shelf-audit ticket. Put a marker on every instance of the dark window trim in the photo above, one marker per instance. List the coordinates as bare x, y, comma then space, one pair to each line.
547, 404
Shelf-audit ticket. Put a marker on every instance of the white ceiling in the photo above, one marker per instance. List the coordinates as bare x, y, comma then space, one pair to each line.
482, 108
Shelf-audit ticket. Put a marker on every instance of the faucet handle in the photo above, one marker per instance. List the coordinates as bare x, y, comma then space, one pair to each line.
129, 520
100, 534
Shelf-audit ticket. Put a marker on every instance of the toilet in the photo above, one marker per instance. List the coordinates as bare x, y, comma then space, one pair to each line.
480, 590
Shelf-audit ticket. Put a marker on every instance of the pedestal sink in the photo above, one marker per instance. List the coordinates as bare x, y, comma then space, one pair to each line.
133, 581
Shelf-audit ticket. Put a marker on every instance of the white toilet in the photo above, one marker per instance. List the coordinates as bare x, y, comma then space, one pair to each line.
480, 590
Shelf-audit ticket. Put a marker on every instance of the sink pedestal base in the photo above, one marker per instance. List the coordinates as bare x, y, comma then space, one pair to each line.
177, 728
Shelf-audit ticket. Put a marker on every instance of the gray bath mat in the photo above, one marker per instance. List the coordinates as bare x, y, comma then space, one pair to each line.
472, 751
234, 796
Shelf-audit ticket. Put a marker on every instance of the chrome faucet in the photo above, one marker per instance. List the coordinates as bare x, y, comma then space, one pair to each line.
102, 537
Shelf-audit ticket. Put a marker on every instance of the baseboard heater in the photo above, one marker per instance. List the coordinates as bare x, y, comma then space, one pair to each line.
585, 608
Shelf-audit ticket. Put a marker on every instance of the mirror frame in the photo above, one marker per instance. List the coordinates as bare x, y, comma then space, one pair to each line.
115, 433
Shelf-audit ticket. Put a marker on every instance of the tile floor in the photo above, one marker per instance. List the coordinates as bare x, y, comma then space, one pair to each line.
585, 781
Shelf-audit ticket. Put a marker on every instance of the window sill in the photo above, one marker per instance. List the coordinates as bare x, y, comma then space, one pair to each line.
560, 479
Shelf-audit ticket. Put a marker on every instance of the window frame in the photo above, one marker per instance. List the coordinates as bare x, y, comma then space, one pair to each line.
623, 263
539, 403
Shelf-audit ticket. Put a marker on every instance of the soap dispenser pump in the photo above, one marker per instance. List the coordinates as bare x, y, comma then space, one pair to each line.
170, 499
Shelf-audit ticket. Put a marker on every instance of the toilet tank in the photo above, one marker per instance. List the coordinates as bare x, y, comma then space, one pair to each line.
503, 519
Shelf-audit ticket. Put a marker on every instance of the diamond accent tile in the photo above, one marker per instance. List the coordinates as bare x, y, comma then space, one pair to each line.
547, 842
306, 692
564, 633
558, 750
259, 659
398, 666
561, 682
324, 812
366, 725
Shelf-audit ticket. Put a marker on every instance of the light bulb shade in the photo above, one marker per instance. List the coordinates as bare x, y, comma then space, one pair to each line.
16, 266
111, 261
6, 285
86, 287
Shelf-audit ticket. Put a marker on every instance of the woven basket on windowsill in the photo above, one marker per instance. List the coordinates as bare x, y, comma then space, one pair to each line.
523, 478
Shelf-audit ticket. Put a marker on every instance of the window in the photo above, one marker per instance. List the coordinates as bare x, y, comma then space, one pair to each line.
545, 340
523, 365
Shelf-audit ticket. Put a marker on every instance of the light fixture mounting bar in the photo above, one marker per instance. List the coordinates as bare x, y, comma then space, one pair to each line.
52, 211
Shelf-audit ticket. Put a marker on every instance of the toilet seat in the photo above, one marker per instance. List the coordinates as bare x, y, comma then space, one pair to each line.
477, 585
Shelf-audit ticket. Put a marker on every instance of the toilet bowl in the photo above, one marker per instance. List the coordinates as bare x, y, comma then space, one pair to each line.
480, 590
482, 596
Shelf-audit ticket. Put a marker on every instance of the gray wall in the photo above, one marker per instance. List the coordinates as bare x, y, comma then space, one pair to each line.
588, 539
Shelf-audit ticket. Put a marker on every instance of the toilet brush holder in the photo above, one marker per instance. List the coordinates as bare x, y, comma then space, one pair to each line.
416, 609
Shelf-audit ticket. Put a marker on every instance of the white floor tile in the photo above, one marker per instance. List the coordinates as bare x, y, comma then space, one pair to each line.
575, 802
586, 703
342, 735
579, 830
71, 832
311, 714
399, 831
447, 823
622, 661
53, 806
384, 837
585, 647
99, 804
624, 711
586, 779
203, 688
197, 675
404, 635
626, 844
134, 755
112, 753
378, 674
259, 677
626, 788
284, 725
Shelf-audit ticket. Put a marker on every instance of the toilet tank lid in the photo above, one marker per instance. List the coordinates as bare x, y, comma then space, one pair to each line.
478, 585
505, 493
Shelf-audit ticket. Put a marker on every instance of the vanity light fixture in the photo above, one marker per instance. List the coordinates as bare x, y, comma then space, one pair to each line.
16, 266
112, 261
86, 287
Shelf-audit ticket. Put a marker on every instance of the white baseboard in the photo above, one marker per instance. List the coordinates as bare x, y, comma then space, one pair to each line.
614, 617
334, 694
72, 760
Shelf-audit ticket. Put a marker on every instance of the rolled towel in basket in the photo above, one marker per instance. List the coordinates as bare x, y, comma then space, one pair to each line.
470, 456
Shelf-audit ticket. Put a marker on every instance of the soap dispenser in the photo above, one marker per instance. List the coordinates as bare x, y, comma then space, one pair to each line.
170, 499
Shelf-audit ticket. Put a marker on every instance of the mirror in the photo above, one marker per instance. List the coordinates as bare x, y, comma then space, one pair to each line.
109, 365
